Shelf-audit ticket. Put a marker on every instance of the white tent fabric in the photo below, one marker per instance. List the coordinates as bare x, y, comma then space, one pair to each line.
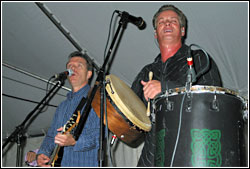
32, 43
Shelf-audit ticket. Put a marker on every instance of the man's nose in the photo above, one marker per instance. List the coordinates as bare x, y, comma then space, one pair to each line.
73, 67
167, 22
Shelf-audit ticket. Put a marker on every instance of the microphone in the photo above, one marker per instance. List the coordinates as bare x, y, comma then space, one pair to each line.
191, 70
113, 140
64, 74
138, 21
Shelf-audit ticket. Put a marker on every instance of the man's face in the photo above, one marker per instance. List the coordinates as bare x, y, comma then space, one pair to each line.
81, 75
168, 27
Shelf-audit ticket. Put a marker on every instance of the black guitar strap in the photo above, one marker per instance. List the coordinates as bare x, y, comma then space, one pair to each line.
61, 151
80, 105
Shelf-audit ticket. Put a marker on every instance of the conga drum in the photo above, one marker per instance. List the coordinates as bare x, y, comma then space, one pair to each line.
126, 113
202, 127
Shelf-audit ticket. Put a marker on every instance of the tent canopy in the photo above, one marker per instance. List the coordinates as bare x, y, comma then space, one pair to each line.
32, 43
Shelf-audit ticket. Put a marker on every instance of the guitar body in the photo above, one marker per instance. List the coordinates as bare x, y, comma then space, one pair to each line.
57, 155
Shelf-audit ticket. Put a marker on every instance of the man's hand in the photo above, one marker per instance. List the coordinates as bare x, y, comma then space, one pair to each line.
31, 156
64, 139
42, 159
151, 88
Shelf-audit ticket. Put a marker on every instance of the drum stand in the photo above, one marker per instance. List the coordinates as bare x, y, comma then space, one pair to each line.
100, 82
18, 135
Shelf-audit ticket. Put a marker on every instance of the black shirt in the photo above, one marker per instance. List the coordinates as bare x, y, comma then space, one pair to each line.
173, 74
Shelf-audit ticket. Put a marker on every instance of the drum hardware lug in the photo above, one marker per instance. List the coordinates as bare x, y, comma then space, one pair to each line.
245, 115
153, 106
159, 109
170, 106
215, 105
189, 102
189, 106
188, 86
108, 82
132, 127
188, 93
153, 112
188, 90
152, 117
240, 125
245, 110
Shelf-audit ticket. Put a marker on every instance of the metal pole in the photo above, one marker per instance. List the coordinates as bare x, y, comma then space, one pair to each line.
65, 32
32, 75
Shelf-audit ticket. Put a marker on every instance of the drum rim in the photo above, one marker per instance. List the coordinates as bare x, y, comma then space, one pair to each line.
201, 89
123, 108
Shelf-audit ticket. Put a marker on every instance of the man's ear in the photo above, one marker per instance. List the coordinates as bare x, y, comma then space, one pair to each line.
89, 74
183, 31
155, 34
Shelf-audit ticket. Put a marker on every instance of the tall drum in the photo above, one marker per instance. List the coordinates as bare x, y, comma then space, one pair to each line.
200, 127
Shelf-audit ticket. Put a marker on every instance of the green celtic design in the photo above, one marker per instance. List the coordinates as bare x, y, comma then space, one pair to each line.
160, 156
206, 148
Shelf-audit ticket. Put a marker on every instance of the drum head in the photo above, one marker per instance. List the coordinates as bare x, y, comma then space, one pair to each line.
128, 102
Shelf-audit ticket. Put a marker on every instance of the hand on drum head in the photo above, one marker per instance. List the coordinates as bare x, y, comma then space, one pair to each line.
151, 88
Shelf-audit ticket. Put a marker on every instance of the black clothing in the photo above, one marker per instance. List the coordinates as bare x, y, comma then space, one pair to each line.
172, 74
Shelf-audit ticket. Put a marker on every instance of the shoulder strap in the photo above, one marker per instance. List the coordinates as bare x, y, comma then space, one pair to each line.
80, 105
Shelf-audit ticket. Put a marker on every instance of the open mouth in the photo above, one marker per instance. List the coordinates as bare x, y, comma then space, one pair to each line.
168, 30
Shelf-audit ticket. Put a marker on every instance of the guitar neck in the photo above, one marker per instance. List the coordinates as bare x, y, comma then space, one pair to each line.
54, 155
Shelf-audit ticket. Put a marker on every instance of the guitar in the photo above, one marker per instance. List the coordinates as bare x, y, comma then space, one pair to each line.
56, 157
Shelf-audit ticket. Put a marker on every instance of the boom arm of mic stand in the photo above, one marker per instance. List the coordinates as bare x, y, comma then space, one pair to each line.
17, 135
21, 126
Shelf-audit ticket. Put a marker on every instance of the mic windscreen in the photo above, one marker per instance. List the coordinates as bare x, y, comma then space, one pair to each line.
70, 72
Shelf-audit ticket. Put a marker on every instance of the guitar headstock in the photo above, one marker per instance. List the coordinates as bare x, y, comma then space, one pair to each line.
71, 123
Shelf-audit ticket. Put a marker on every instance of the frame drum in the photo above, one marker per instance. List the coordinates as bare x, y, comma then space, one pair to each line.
126, 113
202, 127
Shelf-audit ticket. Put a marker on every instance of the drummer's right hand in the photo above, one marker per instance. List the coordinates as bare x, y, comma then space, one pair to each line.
151, 88
42, 159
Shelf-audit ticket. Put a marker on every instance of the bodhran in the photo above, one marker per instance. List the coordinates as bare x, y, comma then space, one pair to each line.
126, 113
200, 127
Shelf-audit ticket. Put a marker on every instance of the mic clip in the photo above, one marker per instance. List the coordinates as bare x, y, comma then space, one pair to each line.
124, 19
113, 140
61, 78
191, 75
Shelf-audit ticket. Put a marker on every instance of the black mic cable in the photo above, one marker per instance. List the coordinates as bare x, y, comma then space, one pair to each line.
201, 72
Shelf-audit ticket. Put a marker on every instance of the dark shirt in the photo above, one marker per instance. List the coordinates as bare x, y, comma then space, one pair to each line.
172, 74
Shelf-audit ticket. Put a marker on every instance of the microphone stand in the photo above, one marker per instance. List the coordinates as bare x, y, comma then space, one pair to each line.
100, 82
18, 134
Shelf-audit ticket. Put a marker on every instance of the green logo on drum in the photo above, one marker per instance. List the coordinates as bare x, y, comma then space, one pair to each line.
160, 157
206, 148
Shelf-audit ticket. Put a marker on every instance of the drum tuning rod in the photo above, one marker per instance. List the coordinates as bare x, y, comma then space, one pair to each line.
150, 76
